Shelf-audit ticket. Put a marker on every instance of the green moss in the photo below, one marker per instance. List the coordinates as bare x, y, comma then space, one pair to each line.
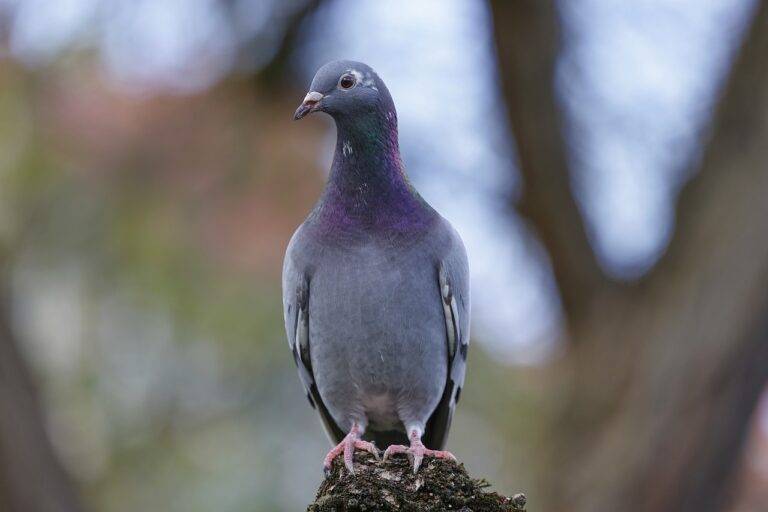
388, 486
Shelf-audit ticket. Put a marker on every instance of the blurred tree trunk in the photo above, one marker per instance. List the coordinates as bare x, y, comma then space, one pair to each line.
662, 376
31, 477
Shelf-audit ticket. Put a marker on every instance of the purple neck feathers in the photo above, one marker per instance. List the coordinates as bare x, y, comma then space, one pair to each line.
367, 189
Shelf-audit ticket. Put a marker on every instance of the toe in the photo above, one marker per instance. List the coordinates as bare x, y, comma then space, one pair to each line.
444, 455
328, 461
349, 453
418, 458
418, 453
367, 447
394, 449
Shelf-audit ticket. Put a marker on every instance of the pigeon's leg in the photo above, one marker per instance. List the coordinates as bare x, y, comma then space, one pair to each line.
347, 448
417, 451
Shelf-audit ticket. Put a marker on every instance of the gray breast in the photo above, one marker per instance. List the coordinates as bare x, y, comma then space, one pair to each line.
377, 327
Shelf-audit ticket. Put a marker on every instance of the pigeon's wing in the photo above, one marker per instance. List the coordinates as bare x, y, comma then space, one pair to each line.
296, 292
453, 279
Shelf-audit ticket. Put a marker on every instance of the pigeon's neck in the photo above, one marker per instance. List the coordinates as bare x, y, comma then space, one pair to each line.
367, 186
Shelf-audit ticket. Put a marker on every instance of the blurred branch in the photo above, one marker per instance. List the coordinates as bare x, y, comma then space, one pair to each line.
31, 477
527, 42
717, 201
275, 71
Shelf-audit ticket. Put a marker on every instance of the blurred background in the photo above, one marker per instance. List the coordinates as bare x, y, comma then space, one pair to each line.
605, 162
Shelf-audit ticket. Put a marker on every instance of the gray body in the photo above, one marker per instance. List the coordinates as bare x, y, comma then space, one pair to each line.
376, 303
379, 348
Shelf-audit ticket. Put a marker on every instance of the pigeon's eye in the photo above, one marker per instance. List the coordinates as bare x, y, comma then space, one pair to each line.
347, 82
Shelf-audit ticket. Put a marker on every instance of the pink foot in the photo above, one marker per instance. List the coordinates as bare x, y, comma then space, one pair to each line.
416, 452
347, 447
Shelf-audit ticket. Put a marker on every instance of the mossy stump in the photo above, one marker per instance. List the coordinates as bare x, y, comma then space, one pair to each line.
391, 486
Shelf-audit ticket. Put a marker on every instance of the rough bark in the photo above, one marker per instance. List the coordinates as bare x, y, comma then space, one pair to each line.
662, 377
388, 486
31, 477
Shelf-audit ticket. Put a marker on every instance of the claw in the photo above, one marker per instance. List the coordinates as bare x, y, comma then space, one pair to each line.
417, 460
416, 452
394, 449
347, 448
368, 447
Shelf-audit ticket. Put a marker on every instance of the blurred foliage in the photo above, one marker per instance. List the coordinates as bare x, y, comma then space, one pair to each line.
142, 233
148, 232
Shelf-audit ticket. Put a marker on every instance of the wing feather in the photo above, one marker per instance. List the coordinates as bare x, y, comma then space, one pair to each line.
453, 282
296, 290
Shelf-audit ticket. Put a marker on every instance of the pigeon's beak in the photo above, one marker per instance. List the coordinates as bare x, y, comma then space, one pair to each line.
308, 106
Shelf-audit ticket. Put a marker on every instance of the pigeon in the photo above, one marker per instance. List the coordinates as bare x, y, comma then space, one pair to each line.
375, 287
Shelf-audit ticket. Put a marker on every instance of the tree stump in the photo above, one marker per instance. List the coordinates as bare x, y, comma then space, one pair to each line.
391, 486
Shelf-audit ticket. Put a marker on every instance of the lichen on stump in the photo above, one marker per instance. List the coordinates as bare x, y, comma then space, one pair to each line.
391, 486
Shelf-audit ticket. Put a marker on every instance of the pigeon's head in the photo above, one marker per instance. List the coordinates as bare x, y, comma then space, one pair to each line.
347, 90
